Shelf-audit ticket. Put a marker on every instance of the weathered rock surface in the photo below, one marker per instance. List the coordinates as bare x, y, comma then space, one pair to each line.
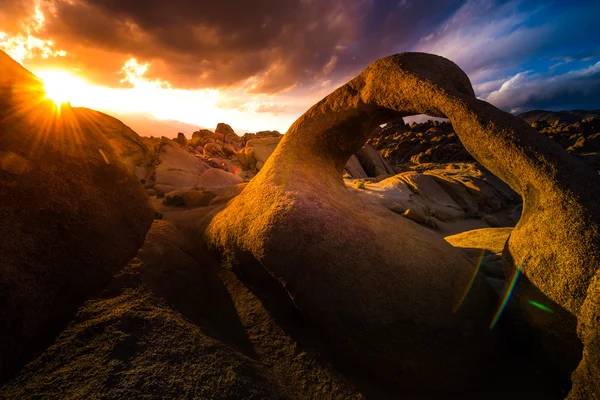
72, 212
354, 168
181, 139
169, 326
189, 198
224, 129
586, 378
561, 274
217, 178
431, 141
437, 142
398, 320
145, 336
558, 117
457, 192
260, 135
558, 264
433, 195
257, 151
214, 150
177, 168
485, 247
559, 192
366, 163
372, 162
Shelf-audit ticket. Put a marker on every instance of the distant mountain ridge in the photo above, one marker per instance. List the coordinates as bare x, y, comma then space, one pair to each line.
567, 117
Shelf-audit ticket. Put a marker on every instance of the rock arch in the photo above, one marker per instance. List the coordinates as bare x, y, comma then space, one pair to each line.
382, 287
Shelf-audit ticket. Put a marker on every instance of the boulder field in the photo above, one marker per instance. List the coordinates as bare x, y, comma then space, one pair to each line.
315, 264
433, 141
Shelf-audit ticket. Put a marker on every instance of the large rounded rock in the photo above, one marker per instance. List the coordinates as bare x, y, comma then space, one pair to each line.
224, 129
200, 137
373, 163
263, 148
71, 215
381, 288
181, 139
217, 178
433, 195
213, 149
177, 167
257, 152
485, 247
354, 168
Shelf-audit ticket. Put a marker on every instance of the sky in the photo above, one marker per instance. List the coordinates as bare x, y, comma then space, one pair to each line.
258, 65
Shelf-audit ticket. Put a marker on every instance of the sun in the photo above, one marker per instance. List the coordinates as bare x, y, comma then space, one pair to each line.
61, 87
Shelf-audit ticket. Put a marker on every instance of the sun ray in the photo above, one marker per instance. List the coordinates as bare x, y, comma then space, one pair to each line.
61, 87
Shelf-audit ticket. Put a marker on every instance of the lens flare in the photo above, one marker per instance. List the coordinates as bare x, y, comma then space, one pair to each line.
470, 285
540, 306
508, 294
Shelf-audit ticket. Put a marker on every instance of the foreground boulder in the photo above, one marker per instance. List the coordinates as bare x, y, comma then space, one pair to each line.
381, 288
72, 212
145, 336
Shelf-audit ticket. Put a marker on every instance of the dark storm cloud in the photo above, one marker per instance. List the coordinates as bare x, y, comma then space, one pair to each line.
198, 44
281, 43
212, 44
294, 46
394, 27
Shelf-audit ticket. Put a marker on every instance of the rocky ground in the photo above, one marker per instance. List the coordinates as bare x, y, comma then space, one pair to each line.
223, 301
435, 141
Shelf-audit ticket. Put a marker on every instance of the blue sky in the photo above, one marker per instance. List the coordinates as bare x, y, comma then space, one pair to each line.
522, 55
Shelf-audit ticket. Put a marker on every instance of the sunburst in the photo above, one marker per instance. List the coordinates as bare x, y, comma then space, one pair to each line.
61, 87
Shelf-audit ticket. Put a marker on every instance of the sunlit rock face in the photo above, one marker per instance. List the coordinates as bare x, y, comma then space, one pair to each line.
454, 193
72, 210
403, 281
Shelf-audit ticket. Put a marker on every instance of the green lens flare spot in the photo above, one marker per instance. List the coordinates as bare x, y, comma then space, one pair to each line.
540, 306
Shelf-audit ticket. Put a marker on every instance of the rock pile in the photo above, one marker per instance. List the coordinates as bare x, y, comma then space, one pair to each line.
581, 138
181, 163
429, 142
437, 142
